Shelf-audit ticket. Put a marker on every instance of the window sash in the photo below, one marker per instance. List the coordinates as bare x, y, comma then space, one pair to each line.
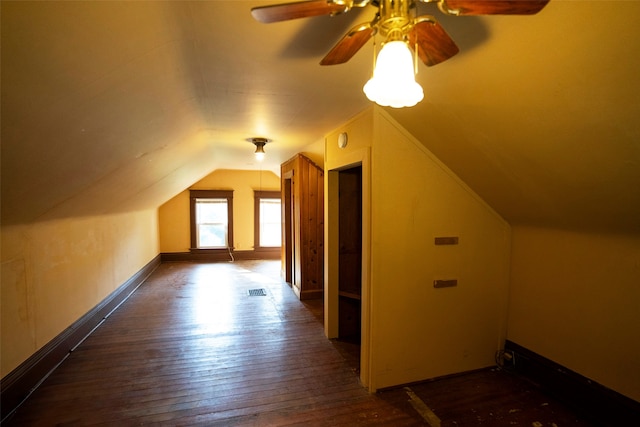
270, 223
211, 223
267, 220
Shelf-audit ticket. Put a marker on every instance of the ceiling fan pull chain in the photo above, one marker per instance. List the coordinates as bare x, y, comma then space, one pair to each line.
374, 55
415, 58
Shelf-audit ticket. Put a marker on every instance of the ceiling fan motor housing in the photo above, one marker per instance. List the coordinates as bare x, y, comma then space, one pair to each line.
395, 18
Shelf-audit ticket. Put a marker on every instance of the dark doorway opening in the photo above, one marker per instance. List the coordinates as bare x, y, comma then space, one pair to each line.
350, 257
289, 241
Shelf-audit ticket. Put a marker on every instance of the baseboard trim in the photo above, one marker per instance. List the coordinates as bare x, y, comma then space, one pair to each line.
602, 405
220, 255
434, 379
308, 294
16, 386
311, 294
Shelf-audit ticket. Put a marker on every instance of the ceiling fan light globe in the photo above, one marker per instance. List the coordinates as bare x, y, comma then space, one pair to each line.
393, 83
396, 96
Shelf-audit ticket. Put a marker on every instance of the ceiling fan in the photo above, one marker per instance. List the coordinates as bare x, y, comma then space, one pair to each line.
395, 21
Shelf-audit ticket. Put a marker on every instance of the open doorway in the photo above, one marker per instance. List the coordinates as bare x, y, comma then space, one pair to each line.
350, 261
288, 264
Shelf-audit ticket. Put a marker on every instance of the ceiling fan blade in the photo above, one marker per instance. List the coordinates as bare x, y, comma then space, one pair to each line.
434, 44
492, 7
348, 45
303, 9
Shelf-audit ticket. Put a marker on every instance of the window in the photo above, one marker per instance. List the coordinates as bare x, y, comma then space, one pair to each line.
211, 219
268, 219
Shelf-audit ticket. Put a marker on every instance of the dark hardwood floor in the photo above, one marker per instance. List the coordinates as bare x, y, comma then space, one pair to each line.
191, 347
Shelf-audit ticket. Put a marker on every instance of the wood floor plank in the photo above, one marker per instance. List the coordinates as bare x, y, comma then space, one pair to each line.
191, 347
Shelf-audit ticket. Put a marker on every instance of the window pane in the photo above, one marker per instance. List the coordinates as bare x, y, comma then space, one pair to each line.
270, 222
211, 223
212, 236
211, 211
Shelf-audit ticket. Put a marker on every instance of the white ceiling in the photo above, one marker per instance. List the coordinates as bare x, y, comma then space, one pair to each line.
114, 106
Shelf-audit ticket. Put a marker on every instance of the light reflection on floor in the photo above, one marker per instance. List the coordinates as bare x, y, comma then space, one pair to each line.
220, 295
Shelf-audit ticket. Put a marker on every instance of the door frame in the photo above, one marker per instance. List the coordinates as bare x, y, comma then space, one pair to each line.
361, 157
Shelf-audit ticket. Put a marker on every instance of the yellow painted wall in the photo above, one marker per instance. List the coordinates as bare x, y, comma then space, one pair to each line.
54, 272
173, 224
315, 152
416, 331
575, 299
174, 214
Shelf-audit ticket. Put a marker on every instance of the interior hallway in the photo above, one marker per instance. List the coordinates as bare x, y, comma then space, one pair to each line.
192, 347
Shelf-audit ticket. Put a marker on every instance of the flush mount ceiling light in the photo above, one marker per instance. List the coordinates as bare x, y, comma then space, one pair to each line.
403, 31
259, 143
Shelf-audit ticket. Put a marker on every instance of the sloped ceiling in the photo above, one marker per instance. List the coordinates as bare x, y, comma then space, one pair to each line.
114, 106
